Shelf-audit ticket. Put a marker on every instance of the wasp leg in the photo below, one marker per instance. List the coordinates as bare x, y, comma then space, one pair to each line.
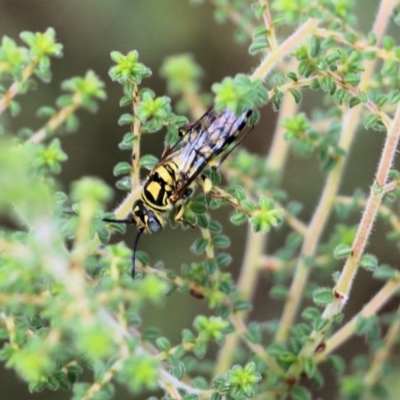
180, 204
206, 183
179, 216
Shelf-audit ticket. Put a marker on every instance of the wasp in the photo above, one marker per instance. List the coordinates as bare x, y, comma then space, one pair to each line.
174, 179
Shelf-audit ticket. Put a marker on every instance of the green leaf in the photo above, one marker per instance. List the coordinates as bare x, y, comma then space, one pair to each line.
370, 120
292, 76
163, 343
148, 161
125, 119
338, 364
279, 292
127, 141
315, 46
340, 95
309, 367
128, 70
311, 314
140, 372
354, 101
14, 107
124, 184
248, 206
296, 94
242, 305
369, 262
342, 251
323, 296
198, 207
300, 393
223, 260
259, 44
221, 241
215, 227
202, 220
287, 357
122, 168
364, 325
385, 273
199, 246
239, 218
182, 74
254, 333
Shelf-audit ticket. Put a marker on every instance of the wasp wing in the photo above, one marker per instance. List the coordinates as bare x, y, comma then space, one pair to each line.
206, 139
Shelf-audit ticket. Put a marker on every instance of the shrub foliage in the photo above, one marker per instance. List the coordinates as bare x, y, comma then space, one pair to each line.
67, 300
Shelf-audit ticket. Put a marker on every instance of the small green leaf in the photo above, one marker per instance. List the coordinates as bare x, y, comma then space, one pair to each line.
370, 120
287, 357
148, 161
221, 241
309, 367
369, 262
354, 101
239, 218
122, 168
163, 343
323, 296
258, 45
199, 246
279, 292
315, 85
338, 364
125, 119
254, 333
292, 76
223, 259
198, 207
342, 251
242, 305
385, 273
340, 95
215, 227
300, 393
315, 46
248, 206
296, 94
311, 314
364, 325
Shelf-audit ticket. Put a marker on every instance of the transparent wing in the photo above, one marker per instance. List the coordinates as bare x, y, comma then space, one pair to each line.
206, 139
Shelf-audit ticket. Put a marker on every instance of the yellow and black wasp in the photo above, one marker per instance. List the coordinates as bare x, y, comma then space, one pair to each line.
174, 179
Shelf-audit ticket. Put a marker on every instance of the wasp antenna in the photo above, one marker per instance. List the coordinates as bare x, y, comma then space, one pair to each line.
134, 247
127, 221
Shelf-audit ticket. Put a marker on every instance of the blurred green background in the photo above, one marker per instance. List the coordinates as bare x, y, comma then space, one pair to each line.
89, 31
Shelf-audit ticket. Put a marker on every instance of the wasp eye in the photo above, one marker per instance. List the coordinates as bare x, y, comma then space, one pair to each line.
154, 225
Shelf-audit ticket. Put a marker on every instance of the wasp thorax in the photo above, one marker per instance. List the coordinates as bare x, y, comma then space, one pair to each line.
145, 218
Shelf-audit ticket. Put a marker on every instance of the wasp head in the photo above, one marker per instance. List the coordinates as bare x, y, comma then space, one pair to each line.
145, 219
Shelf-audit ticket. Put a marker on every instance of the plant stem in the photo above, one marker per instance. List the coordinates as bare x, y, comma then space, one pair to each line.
14, 88
246, 287
370, 309
387, 213
126, 206
137, 134
284, 49
279, 149
269, 25
56, 120
346, 278
320, 217
376, 369
256, 242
